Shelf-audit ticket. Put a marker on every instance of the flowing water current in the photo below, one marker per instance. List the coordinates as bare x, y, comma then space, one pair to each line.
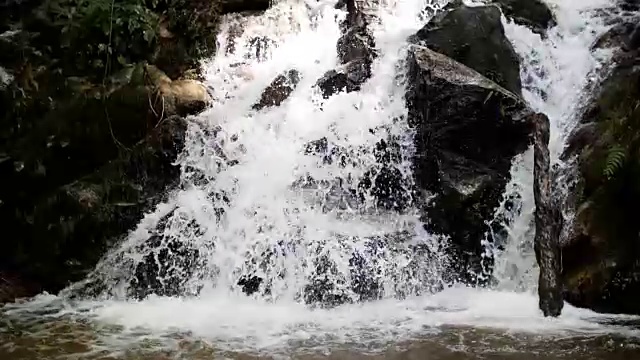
240, 211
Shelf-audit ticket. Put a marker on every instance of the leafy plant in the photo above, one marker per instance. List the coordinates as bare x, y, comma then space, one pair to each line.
615, 160
103, 35
99, 37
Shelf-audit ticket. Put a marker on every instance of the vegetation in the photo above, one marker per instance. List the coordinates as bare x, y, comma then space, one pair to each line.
68, 48
610, 167
102, 36
80, 114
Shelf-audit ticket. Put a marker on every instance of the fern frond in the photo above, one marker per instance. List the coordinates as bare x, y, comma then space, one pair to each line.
615, 160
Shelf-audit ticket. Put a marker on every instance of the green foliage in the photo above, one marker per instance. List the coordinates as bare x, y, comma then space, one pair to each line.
615, 160
100, 37
615, 151
104, 34
610, 164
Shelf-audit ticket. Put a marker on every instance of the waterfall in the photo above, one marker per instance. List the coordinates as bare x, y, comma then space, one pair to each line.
256, 208
270, 203
555, 72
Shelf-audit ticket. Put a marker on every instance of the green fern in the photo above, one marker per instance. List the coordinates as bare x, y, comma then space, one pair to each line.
615, 160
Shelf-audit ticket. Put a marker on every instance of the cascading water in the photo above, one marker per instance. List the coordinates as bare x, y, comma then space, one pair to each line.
256, 211
557, 71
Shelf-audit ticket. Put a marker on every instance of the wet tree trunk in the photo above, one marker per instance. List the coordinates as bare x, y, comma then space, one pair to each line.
547, 223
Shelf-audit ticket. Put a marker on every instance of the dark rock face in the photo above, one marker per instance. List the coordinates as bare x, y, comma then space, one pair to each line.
348, 78
88, 141
468, 131
474, 36
356, 52
532, 13
168, 265
601, 251
81, 220
279, 90
232, 6
547, 223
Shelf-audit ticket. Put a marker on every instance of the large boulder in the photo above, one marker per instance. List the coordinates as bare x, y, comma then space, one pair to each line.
475, 37
468, 129
534, 14
601, 246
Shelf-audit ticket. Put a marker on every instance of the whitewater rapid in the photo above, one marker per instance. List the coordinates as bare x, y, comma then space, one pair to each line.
267, 145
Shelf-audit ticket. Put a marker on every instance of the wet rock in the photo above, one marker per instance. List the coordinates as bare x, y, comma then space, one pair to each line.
81, 220
94, 126
14, 287
384, 181
279, 90
474, 36
347, 78
624, 34
534, 14
600, 252
356, 52
389, 187
169, 262
234, 6
547, 223
468, 129
356, 44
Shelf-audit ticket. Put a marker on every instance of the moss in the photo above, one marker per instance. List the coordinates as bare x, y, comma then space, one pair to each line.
99, 37
610, 166
81, 220
606, 240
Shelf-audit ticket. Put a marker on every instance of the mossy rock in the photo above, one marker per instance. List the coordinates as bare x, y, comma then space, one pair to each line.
600, 258
534, 14
65, 234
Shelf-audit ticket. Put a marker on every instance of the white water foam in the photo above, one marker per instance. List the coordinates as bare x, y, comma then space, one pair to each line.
270, 160
305, 227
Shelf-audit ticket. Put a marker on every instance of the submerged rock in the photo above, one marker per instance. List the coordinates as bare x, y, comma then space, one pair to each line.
534, 14
468, 129
475, 37
168, 263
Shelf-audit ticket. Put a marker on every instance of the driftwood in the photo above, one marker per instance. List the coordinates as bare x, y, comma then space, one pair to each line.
547, 223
